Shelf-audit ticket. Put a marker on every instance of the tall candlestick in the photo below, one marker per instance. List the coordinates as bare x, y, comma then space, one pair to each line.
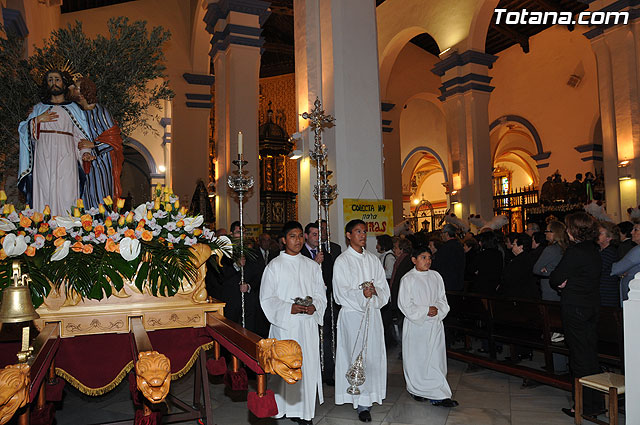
240, 143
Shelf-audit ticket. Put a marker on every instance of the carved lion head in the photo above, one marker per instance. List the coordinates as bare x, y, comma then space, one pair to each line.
283, 358
153, 375
14, 390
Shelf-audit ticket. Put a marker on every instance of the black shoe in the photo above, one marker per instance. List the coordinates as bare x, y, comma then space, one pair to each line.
447, 402
529, 383
418, 398
364, 416
569, 412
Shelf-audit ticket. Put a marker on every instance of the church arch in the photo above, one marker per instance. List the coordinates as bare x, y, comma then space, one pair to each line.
517, 151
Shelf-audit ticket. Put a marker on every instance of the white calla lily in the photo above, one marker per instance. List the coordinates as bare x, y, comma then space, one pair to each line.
225, 245
129, 248
6, 225
14, 245
140, 212
68, 222
61, 251
191, 223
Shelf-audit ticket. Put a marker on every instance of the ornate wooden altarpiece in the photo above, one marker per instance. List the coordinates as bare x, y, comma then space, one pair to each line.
278, 176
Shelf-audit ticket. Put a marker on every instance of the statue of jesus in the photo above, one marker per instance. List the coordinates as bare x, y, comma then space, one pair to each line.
53, 143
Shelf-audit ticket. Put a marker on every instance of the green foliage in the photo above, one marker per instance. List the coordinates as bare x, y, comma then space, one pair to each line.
127, 66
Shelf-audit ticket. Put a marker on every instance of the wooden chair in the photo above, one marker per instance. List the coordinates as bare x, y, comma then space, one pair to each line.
611, 384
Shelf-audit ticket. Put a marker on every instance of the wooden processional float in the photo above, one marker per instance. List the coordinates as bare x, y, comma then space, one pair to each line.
151, 324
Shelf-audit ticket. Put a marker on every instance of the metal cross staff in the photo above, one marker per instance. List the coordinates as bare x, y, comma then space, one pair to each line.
241, 182
322, 190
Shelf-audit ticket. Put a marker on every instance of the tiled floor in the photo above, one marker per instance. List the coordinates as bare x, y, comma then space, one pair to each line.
486, 398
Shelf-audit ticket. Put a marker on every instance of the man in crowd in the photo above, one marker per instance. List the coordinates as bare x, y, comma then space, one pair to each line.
449, 260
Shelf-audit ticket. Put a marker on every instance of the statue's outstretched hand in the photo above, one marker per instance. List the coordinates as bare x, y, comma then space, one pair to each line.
47, 116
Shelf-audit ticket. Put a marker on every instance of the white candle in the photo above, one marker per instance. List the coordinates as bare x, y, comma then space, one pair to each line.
240, 143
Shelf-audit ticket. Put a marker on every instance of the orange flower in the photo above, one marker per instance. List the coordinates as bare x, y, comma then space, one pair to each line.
170, 245
99, 229
2, 232
129, 218
76, 212
44, 227
3, 254
108, 222
86, 217
25, 221
87, 249
31, 251
49, 237
147, 235
129, 233
179, 223
121, 221
111, 231
77, 247
78, 238
21, 233
111, 246
38, 236
87, 225
197, 232
182, 236
47, 210
37, 217
59, 231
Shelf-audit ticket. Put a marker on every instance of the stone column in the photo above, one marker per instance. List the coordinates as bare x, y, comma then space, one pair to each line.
465, 95
337, 61
392, 157
618, 60
235, 48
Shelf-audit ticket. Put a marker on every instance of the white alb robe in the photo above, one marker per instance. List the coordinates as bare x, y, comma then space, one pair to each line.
350, 270
285, 278
424, 353
55, 162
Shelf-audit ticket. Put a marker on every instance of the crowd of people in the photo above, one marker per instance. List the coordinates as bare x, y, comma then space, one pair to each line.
398, 297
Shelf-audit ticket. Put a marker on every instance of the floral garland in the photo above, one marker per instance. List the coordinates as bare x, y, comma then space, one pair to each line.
95, 249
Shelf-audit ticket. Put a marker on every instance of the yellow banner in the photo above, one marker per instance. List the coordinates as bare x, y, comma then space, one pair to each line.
378, 214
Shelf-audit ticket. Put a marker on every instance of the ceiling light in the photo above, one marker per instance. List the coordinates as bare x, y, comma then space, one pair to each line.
625, 177
623, 163
162, 168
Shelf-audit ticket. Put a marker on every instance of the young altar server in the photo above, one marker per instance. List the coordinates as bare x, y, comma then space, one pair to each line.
423, 302
288, 276
352, 268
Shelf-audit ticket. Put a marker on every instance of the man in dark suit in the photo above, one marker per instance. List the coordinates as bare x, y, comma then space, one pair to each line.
449, 260
265, 250
225, 285
311, 250
334, 247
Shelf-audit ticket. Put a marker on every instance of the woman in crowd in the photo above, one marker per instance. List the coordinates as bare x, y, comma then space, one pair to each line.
538, 244
471, 248
629, 265
556, 235
486, 267
577, 276
517, 277
608, 238
402, 250
626, 242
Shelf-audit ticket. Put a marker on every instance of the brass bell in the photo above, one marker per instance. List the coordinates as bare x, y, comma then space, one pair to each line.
16, 300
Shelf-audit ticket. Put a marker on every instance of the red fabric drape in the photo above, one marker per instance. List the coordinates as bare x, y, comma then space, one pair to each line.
113, 138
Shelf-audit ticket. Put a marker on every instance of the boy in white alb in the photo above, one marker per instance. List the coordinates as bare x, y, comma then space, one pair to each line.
288, 276
352, 268
423, 301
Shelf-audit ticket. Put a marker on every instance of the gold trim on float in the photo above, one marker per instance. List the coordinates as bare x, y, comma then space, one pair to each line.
95, 391
179, 374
